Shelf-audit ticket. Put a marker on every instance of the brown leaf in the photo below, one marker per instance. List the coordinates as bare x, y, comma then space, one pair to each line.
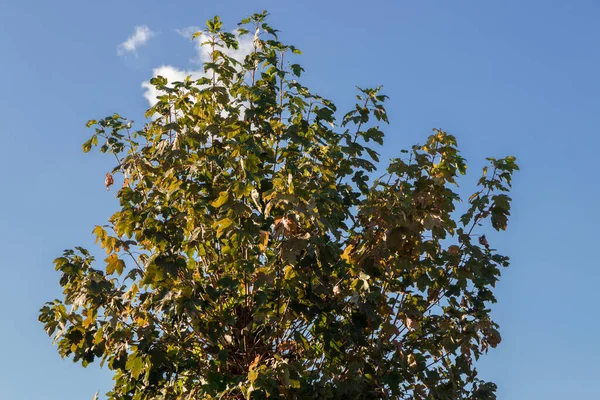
466, 352
483, 241
432, 294
287, 345
336, 290
412, 361
411, 324
286, 225
108, 181
454, 250
254, 363
494, 338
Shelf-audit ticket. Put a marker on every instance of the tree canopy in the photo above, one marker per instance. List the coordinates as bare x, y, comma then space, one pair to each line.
258, 253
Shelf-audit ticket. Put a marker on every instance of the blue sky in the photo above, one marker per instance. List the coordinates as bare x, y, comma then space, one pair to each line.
506, 77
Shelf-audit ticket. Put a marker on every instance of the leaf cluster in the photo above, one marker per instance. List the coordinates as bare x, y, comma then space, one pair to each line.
255, 256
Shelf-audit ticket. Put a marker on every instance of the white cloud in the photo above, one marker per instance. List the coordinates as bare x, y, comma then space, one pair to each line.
175, 74
140, 37
188, 31
245, 44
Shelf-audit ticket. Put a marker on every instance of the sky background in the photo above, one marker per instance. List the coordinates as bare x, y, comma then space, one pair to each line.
511, 77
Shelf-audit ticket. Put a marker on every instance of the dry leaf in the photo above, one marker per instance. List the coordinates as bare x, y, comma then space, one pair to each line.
412, 362
337, 290
285, 226
411, 324
454, 250
254, 363
108, 181
483, 241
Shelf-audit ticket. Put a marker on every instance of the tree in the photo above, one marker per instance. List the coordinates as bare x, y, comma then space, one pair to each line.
256, 255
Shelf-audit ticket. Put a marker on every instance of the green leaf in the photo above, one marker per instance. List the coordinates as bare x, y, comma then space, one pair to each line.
297, 69
373, 154
269, 257
135, 365
87, 146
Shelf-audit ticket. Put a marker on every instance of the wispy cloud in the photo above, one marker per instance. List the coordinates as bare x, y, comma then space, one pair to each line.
140, 37
245, 44
188, 31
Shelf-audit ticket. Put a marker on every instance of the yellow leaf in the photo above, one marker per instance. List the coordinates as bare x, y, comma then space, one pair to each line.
141, 321
88, 321
99, 335
289, 272
264, 240
222, 199
100, 233
133, 291
113, 263
221, 225
347, 252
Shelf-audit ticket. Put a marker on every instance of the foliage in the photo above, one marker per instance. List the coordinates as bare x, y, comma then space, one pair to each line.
254, 255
